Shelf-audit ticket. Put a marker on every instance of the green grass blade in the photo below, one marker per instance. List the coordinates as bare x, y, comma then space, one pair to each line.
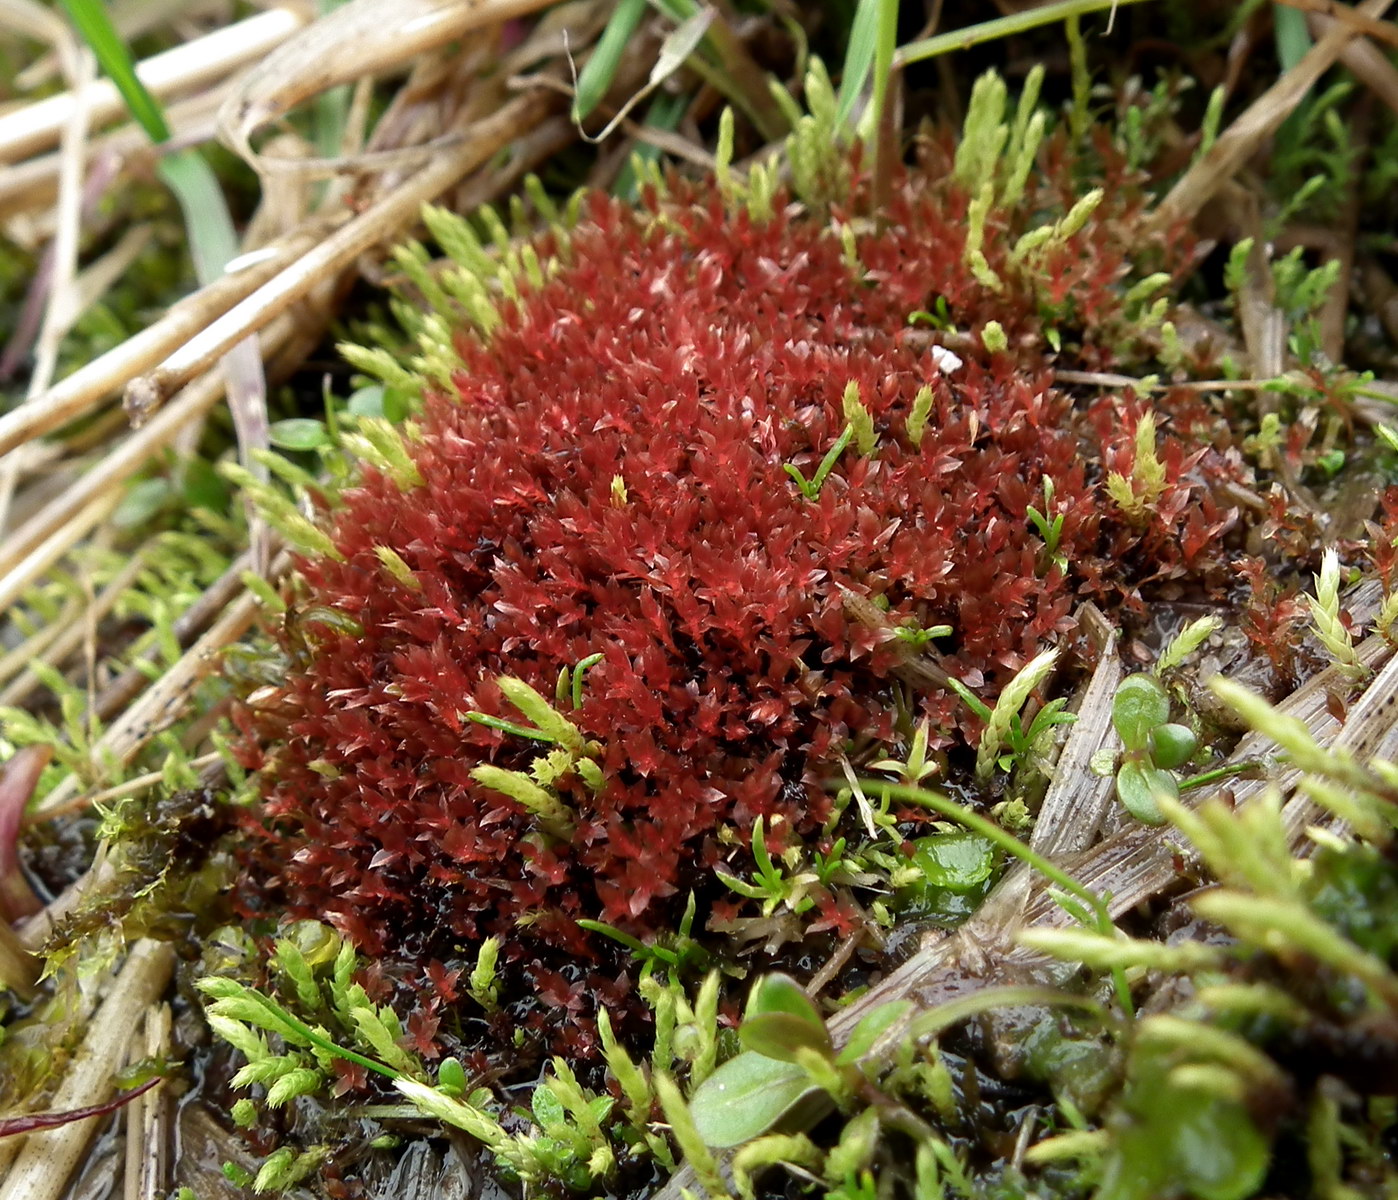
664, 113
212, 240
97, 30
597, 75
859, 58
1292, 36
1003, 27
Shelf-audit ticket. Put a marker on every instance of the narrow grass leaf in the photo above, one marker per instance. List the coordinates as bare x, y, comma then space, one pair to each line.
599, 71
859, 58
97, 30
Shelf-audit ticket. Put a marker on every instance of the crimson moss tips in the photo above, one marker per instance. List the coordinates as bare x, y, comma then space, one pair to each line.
708, 474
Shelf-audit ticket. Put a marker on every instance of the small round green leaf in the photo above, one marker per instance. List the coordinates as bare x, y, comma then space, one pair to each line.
1140, 705
959, 860
142, 501
451, 1077
745, 1097
367, 401
298, 433
778, 993
1137, 785
1172, 745
780, 1034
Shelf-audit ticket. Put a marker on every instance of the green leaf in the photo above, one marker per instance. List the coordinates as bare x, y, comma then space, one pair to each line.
90, 17
1172, 745
778, 993
143, 500
212, 239
959, 860
548, 1109
597, 75
1137, 785
204, 487
368, 401
451, 1077
871, 1028
1140, 705
779, 1035
1187, 1142
298, 433
859, 58
745, 1097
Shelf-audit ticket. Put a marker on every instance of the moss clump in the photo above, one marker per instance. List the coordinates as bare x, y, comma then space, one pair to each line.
706, 454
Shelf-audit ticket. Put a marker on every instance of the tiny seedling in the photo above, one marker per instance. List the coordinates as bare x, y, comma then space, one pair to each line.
1005, 741
1153, 746
1049, 526
918, 637
811, 488
674, 952
771, 884
916, 767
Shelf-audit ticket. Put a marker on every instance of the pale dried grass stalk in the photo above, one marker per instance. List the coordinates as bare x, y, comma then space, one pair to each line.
1199, 184
29, 187
165, 699
102, 483
383, 221
63, 637
32, 563
47, 1159
1077, 799
90, 385
148, 1139
81, 69
37, 126
1370, 65
360, 38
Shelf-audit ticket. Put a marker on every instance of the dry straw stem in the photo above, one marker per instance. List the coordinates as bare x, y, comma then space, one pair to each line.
1077, 799
385, 220
30, 565
62, 307
1347, 16
89, 385
31, 186
38, 929
55, 642
132, 787
358, 39
37, 126
48, 1158
1199, 184
148, 1139
61, 518
193, 621
1368, 63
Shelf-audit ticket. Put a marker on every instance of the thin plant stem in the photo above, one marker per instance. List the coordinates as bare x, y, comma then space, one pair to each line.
885, 135
1002, 27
